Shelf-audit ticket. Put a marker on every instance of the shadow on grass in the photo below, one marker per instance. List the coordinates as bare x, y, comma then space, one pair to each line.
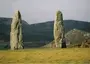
4, 47
27, 45
34, 45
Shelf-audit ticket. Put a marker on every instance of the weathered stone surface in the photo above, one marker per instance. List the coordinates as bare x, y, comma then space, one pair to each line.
16, 41
85, 43
58, 29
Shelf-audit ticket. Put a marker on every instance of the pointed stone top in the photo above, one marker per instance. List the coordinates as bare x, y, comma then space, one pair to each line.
58, 12
59, 15
18, 14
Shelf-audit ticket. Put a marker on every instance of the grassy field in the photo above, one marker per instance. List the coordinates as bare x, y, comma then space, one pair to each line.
46, 56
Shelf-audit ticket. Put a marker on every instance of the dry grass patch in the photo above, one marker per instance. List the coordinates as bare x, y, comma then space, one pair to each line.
46, 55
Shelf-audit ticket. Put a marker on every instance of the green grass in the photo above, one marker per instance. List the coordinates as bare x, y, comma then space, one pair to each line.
46, 56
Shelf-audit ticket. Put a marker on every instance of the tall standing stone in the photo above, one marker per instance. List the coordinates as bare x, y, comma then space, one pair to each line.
58, 29
16, 39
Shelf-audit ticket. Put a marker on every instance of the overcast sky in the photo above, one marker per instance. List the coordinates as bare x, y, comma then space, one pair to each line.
36, 11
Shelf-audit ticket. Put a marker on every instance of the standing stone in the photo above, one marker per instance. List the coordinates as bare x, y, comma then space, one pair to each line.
16, 39
58, 29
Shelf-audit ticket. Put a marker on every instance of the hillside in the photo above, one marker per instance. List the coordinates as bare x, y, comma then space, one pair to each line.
44, 31
40, 31
5, 27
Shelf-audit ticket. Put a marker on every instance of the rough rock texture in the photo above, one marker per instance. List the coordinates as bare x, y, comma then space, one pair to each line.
85, 43
58, 29
16, 41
